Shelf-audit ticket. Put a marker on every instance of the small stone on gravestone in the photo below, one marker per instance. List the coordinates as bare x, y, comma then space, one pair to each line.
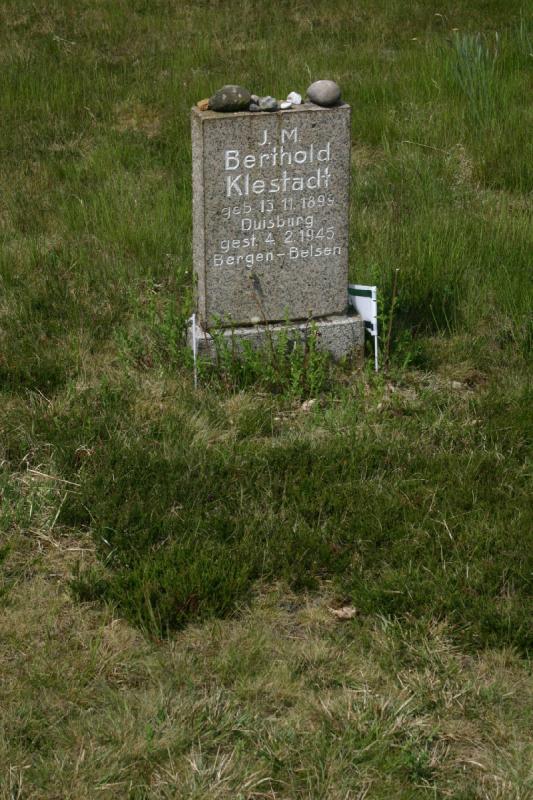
294, 98
230, 98
324, 93
268, 103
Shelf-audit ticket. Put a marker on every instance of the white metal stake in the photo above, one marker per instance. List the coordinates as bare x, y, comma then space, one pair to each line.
365, 301
194, 351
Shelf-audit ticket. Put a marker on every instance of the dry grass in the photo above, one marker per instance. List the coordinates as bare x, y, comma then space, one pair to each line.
282, 702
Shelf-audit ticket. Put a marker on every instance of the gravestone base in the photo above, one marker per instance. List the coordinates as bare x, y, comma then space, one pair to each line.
341, 336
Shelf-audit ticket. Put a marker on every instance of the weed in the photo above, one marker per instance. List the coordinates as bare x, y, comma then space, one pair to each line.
292, 365
4, 582
475, 70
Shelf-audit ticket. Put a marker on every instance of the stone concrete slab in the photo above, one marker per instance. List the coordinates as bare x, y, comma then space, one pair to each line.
270, 214
340, 336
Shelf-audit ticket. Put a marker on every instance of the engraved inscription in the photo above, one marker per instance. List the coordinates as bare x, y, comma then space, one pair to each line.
290, 233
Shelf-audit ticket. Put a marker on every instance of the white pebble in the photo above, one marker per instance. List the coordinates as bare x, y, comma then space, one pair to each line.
285, 104
294, 98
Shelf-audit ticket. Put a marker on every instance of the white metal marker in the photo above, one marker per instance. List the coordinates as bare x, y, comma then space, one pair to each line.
194, 350
365, 301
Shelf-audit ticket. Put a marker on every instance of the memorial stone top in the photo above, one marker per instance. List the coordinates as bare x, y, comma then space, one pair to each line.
270, 214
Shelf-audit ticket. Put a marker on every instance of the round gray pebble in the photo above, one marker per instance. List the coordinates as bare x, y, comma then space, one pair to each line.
268, 104
253, 107
324, 93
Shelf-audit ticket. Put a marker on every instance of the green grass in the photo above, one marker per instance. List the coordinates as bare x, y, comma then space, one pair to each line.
193, 504
406, 494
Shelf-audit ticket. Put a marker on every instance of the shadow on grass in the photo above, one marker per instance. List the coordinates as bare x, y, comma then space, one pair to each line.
427, 518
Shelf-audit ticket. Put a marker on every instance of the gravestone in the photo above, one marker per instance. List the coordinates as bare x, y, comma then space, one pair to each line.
270, 225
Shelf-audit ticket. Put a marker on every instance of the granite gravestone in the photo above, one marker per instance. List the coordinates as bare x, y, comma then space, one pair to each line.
270, 216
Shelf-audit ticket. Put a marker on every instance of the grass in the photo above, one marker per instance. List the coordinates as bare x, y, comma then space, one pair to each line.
187, 524
169, 558
282, 701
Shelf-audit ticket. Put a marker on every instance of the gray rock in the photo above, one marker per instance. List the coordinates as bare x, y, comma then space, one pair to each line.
253, 107
324, 93
339, 335
255, 99
268, 103
293, 277
230, 98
